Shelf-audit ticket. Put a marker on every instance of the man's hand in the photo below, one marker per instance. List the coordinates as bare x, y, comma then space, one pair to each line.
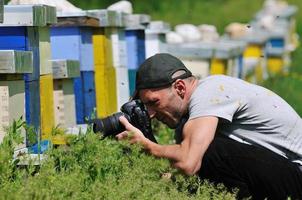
132, 133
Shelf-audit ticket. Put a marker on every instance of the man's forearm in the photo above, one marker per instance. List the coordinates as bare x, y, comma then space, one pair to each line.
177, 154
171, 152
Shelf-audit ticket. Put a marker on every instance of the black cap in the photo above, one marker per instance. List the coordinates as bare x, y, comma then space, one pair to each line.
157, 71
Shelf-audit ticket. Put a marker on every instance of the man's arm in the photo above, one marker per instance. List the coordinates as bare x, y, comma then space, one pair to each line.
197, 135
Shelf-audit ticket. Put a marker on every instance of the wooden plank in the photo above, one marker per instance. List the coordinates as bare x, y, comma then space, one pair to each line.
89, 93
101, 92
86, 49
45, 51
111, 85
28, 15
32, 103
80, 18
132, 48
4, 111
58, 99
106, 96
50, 14
13, 38
16, 99
103, 60
122, 86
32, 44
78, 21
102, 48
16, 105
158, 27
119, 48
99, 47
136, 21
64, 103
132, 78
154, 43
135, 41
65, 43
107, 18
46, 100
141, 47
69, 102
79, 99
16, 61
65, 68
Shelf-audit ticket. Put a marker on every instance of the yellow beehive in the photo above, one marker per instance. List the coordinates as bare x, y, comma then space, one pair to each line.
46, 104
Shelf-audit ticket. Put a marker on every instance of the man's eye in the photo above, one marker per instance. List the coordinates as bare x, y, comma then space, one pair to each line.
152, 103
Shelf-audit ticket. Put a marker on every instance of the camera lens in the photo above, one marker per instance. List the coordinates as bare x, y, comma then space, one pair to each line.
109, 125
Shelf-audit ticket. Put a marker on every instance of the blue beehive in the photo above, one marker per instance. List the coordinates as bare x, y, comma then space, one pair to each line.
75, 43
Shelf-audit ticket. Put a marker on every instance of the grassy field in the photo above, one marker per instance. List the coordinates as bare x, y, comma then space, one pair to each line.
90, 168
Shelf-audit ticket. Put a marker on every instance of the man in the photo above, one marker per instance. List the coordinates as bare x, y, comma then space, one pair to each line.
232, 132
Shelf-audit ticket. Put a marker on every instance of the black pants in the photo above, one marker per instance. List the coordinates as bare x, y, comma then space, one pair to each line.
255, 171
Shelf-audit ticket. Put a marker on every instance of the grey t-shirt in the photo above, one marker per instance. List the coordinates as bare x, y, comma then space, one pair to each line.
249, 113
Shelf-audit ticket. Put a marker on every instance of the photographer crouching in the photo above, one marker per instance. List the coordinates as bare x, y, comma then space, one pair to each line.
230, 131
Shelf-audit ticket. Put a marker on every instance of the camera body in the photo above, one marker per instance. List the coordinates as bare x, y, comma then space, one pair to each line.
135, 112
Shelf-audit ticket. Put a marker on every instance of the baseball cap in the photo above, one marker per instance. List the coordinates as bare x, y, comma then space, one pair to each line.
157, 71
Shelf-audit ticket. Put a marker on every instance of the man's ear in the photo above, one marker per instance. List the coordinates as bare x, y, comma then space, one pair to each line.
180, 87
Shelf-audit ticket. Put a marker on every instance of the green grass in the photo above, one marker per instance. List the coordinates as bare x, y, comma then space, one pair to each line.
90, 168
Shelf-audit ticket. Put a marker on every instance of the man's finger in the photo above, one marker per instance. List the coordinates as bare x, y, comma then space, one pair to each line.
122, 135
127, 125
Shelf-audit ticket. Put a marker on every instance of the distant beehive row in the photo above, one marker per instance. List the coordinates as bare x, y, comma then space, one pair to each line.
59, 68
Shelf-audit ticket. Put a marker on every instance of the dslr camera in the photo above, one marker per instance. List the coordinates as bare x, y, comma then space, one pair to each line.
135, 112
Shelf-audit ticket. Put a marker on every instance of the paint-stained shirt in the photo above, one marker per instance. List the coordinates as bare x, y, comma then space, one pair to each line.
249, 113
